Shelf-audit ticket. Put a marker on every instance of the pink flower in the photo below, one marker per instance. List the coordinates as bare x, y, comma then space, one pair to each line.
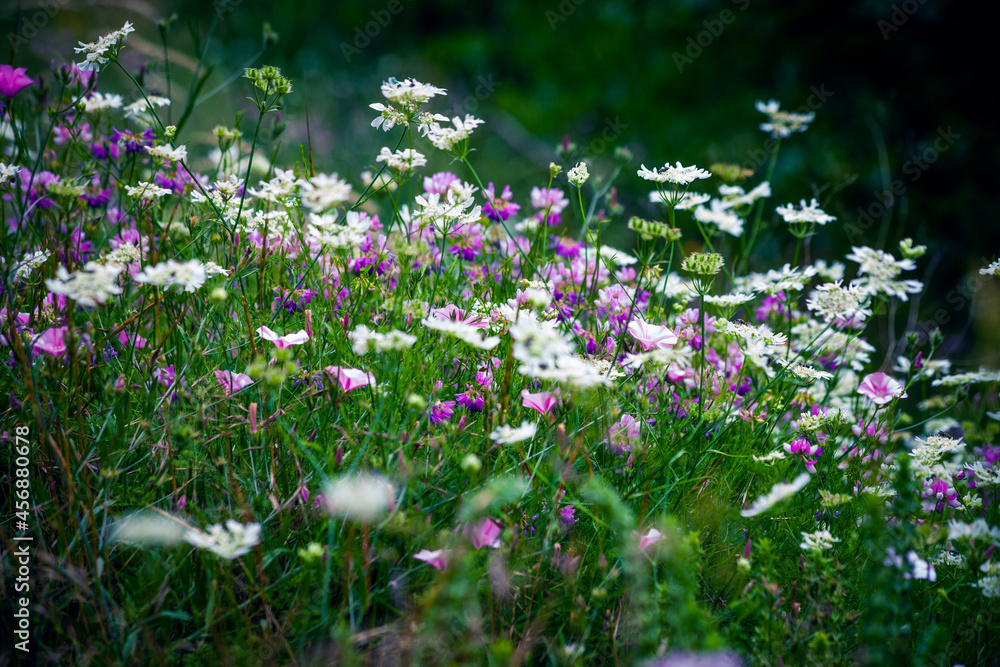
350, 378
231, 381
649, 539
51, 342
486, 533
287, 340
436, 559
652, 336
543, 401
881, 388
139, 341
13, 80
165, 376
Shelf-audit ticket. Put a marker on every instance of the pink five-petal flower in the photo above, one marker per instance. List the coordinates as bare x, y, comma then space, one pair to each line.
13, 80
652, 336
51, 342
881, 388
436, 559
543, 401
287, 340
351, 378
649, 539
486, 533
231, 381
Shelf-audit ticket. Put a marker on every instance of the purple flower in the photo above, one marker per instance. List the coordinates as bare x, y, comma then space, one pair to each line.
13, 80
442, 411
439, 183
165, 376
471, 399
500, 208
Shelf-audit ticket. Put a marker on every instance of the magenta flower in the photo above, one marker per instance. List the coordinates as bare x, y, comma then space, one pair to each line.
231, 381
486, 533
165, 376
881, 388
436, 559
543, 401
51, 342
138, 340
287, 340
13, 80
652, 336
350, 378
500, 208
442, 411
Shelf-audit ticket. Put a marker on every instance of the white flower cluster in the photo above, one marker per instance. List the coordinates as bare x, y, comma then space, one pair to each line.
878, 271
783, 123
98, 102
404, 161
509, 435
146, 191
445, 138
92, 285
231, 542
188, 276
325, 230
809, 213
365, 340
8, 172
832, 302
168, 153
463, 331
100, 52
30, 262
678, 175
547, 354
323, 192
142, 109
818, 541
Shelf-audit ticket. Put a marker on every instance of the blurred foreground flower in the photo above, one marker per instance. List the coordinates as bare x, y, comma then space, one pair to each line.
361, 498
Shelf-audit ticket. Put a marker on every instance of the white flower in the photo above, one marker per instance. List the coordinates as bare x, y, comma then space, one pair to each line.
231, 542
30, 262
818, 541
677, 174
365, 340
508, 435
730, 300
734, 195
878, 271
970, 377
166, 152
388, 116
776, 455
359, 498
803, 371
147, 528
101, 102
462, 331
578, 175
721, 216
445, 138
100, 52
7, 172
834, 302
322, 192
782, 123
991, 270
409, 90
977, 531
687, 201
806, 213
404, 161
615, 256
188, 275
90, 286
141, 108
778, 492
146, 191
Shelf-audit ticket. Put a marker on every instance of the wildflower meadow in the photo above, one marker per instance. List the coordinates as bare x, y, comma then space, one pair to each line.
255, 413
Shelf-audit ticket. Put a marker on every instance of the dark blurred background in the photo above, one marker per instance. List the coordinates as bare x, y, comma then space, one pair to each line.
672, 81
